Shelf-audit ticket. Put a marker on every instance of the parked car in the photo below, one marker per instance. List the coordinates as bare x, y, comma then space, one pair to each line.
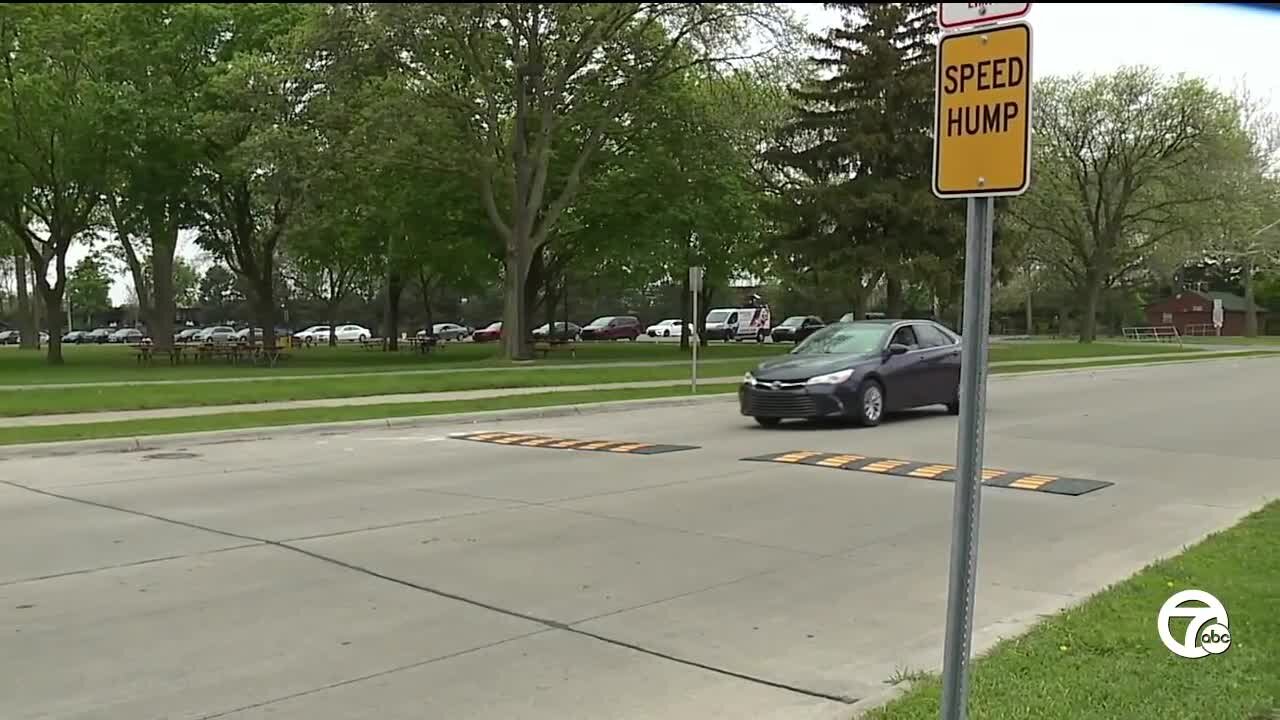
488, 334
562, 331
352, 333
186, 335
610, 327
666, 328
446, 331
10, 337
242, 335
98, 335
750, 323
313, 335
858, 370
797, 328
73, 337
216, 335
126, 335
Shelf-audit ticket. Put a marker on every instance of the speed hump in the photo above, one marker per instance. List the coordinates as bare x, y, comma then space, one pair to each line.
982, 122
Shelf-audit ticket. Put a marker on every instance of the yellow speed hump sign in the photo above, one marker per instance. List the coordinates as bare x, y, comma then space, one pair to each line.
982, 122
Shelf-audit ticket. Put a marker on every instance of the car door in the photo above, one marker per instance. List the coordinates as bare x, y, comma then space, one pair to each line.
941, 360
905, 375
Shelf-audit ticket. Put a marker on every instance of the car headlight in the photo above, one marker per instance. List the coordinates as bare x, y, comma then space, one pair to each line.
834, 378
748, 379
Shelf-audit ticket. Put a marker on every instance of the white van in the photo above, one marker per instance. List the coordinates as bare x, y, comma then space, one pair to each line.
738, 324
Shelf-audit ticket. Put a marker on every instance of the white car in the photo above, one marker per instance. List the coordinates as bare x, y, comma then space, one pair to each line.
666, 328
216, 335
352, 333
313, 335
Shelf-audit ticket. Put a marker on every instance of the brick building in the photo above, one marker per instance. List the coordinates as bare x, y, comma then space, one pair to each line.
1194, 309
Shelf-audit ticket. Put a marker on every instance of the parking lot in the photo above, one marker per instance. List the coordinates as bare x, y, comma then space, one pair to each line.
656, 563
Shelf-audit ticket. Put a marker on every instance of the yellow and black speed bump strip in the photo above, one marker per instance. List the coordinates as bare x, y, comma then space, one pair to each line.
542, 441
935, 471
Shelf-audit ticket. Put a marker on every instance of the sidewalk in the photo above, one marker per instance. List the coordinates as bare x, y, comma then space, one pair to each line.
117, 415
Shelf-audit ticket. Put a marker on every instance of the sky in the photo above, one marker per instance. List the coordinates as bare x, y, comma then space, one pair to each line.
1224, 43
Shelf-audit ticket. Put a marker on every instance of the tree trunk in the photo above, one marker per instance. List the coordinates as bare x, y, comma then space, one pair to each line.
391, 317
424, 284
265, 311
331, 309
1250, 316
704, 306
1089, 317
163, 308
893, 298
685, 312
37, 307
1031, 322
514, 306
53, 311
26, 316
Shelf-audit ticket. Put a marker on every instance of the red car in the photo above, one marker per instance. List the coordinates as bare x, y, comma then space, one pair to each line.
489, 334
612, 328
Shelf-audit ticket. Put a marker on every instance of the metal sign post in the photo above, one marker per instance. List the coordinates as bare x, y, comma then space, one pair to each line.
695, 287
982, 149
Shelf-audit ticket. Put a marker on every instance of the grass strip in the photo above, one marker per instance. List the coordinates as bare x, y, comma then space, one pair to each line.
1103, 660
141, 396
304, 416
96, 364
307, 416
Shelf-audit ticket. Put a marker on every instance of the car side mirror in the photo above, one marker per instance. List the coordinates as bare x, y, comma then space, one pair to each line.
897, 348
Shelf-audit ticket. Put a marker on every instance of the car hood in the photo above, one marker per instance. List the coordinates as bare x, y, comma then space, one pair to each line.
803, 367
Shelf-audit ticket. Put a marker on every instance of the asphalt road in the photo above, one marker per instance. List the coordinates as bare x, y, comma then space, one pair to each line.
401, 575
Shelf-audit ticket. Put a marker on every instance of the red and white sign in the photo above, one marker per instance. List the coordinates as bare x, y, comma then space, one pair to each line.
958, 15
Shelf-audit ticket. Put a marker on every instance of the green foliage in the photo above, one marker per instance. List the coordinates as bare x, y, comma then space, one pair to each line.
1124, 164
853, 168
89, 287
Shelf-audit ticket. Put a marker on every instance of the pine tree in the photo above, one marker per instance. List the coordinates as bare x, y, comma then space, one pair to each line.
858, 158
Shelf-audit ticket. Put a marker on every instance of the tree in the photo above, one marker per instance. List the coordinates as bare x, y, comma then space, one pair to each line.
89, 288
1122, 163
853, 170
58, 126
218, 292
162, 58
256, 150
186, 283
540, 88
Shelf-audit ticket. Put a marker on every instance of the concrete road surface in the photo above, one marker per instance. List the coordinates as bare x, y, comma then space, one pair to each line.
407, 575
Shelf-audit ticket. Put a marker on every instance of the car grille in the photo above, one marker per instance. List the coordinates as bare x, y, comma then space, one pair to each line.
768, 403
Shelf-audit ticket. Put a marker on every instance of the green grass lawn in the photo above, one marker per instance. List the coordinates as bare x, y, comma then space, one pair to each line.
1260, 340
275, 418
106, 363
1103, 660
144, 396
100, 363
301, 416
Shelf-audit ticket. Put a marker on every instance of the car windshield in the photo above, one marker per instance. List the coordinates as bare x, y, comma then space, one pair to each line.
719, 316
851, 339
495, 326
793, 321
600, 322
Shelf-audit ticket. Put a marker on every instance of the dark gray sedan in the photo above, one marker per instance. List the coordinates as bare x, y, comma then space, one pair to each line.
858, 370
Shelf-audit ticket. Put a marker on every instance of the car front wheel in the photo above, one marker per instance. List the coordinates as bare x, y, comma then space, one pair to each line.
870, 407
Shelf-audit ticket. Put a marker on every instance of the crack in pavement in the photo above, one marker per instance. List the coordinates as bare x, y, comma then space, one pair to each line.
547, 623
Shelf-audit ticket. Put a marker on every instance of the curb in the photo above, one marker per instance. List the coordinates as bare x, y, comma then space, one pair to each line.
143, 443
